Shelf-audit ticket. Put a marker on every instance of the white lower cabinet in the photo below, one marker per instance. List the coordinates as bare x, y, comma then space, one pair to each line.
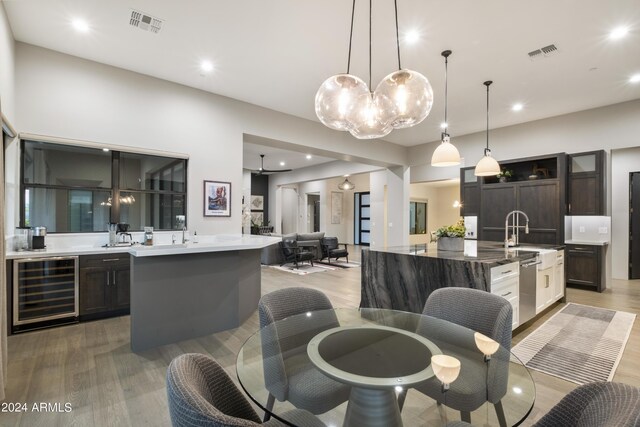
505, 282
544, 288
559, 282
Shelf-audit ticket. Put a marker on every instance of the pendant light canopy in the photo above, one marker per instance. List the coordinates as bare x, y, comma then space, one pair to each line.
446, 154
402, 99
487, 165
346, 184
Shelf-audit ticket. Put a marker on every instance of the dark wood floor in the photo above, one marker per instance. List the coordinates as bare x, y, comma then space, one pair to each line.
91, 365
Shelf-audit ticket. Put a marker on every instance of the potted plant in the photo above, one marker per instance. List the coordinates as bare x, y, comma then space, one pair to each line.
504, 175
451, 237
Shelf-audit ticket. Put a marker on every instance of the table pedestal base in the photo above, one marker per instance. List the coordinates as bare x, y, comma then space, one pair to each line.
372, 408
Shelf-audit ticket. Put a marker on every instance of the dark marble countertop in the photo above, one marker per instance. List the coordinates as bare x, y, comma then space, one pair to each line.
475, 251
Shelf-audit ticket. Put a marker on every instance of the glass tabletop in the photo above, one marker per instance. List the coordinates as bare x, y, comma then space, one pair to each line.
317, 360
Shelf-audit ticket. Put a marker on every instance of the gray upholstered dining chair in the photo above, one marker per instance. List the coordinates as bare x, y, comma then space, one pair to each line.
288, 372
478, 311
596, 405
201, 394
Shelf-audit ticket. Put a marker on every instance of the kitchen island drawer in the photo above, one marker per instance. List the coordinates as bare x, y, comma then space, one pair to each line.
503, 272
104, 260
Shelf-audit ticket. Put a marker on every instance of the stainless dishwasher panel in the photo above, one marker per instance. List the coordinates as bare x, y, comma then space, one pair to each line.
528, 273
45, 289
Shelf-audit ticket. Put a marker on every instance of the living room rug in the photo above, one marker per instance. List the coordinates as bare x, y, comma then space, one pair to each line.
341, 264
580, 343
302, 269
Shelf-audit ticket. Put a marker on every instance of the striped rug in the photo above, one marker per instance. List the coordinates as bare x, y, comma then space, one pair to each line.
580, 343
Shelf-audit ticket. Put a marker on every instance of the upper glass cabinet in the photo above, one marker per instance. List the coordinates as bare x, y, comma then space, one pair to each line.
584, 163
49, 164
144, 172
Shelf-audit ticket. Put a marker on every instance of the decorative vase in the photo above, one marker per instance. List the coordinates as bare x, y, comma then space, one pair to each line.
502, 179
455, 244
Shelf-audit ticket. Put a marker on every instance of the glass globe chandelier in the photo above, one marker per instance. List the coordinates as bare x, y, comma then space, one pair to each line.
402, 99
487, 165
446, 154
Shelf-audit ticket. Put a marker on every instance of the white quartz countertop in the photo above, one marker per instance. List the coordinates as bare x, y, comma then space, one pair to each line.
585, 242
211, 243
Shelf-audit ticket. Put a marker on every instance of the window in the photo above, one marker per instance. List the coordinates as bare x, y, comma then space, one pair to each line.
77, 189
417, 218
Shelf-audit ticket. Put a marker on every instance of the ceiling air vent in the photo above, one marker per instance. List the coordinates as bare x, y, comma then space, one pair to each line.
543, 52
145, 22
535, 54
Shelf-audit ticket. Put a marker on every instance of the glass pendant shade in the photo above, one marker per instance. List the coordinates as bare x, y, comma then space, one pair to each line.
487, 166
336, 99
346, 185
411, 96
446, 154
370, 118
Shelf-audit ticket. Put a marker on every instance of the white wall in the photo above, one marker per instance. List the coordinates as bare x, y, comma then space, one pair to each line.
7, 68
622, 162
68, 97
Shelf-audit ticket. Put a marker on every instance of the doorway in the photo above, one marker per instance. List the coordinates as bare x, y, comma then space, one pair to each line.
362, 218
313, 212
634, 225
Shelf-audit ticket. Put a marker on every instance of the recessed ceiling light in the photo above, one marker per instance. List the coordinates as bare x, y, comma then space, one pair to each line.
443, 125
80, 25
308, 156
412, 36
618, 33
105, 149
206, 66
282, 163
517, 107
635, 78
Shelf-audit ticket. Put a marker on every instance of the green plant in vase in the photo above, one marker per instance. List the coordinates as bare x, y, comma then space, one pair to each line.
451, 237
504, 175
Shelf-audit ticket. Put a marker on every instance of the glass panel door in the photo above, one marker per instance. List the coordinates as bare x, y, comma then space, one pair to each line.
362, 218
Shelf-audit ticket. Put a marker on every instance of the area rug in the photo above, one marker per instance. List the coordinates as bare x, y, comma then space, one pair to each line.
341, 264
303, 269
580, 343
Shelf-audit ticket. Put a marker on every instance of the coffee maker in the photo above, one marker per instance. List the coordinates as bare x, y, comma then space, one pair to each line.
37, 238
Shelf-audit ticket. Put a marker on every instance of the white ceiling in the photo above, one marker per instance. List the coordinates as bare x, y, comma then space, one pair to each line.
273, 156
277, 53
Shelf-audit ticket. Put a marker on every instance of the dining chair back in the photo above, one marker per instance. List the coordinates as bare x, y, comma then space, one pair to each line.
288, 372
201, 394
594, 405
479, 311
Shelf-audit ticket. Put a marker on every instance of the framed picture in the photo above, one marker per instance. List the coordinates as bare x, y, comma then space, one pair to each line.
257, 203
336, 207
217, 198
257, 218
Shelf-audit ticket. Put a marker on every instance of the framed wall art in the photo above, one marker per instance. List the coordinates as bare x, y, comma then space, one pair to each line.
217, 198
336, 207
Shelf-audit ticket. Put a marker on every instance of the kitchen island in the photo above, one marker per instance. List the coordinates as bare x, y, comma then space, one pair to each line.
402, 278
190, 290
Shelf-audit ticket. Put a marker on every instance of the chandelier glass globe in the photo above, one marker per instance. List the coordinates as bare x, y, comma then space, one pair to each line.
336, 98
370, 118
411, 96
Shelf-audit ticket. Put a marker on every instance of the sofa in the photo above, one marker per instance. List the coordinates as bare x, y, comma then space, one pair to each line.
273, 254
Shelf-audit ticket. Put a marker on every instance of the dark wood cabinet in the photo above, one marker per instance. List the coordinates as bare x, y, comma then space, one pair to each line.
536, 187
469, 192
104, 286
585, 184
584, 266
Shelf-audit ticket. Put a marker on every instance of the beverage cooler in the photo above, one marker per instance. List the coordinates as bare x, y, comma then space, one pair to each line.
45, 291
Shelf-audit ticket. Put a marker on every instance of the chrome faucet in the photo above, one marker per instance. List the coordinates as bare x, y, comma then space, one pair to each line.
515, 227
184, 230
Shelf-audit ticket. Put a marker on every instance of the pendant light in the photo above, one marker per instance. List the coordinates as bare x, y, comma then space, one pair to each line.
487, 165
402, 99
446, 154
346, 184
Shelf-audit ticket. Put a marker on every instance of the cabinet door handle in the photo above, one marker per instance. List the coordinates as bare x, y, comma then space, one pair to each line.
114, 278
110, 259
504, 295
546, 281
108, 279
507, 272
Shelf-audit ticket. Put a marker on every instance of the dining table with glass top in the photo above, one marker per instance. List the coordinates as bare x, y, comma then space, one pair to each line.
385, 357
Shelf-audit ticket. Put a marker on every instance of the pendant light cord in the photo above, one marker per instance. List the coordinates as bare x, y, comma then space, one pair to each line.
395, 3
446, 91
370, 14
353, 11
487, 84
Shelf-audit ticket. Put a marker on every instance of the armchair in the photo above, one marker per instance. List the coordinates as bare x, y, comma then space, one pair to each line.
331, 249
291, 252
